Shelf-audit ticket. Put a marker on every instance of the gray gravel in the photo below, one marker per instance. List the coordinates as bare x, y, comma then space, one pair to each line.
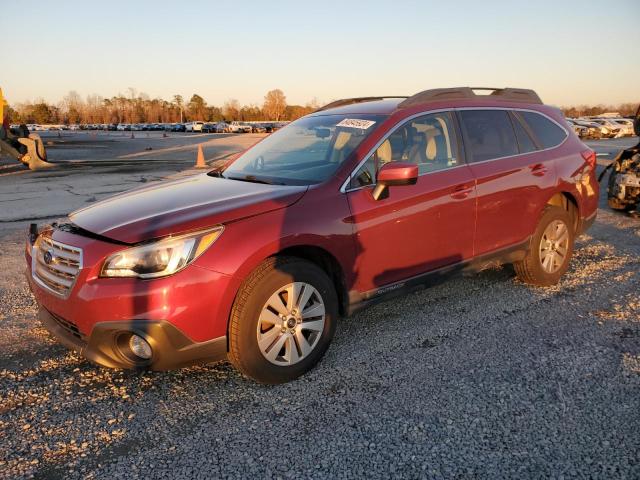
481, 376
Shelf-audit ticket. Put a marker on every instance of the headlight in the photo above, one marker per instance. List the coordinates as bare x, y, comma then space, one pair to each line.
161, 258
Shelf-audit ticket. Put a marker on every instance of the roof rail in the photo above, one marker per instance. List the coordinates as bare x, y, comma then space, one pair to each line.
437, 94
351, 101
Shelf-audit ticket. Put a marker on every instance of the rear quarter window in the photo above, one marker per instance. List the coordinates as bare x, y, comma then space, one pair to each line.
488, 134
548, 133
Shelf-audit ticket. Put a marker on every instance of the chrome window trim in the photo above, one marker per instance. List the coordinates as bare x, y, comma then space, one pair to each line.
343, 188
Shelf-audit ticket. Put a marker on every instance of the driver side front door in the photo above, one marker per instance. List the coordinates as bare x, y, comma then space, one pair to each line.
416, 228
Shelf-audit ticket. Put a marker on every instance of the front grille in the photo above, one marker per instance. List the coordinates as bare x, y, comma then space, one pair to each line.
70, 327
55, 265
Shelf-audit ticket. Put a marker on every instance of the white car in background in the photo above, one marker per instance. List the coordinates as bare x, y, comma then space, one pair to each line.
193, 126
626, 126
609, 128
239, 127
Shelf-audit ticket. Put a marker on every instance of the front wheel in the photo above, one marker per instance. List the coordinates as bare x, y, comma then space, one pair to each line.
282, 320
551, 249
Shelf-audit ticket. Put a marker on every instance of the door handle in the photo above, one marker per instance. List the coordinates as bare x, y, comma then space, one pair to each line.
461, 191
538, 169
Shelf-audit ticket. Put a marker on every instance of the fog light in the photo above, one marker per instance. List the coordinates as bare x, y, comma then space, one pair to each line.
140, 347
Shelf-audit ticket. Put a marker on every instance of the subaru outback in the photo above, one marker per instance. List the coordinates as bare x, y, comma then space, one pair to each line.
363, 199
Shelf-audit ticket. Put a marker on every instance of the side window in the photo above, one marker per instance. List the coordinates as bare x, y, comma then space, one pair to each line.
525, 143
548, 133
488, 134
429, 141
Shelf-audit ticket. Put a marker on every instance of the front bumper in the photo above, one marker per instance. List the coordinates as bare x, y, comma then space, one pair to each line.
106, 345
183, 316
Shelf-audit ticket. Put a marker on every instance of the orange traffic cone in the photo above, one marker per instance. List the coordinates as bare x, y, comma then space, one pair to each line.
200, 160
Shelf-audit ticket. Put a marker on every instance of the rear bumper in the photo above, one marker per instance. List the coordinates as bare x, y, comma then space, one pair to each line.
107, 343
585, 223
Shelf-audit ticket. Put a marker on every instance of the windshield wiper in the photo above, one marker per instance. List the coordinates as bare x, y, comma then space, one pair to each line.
254, 179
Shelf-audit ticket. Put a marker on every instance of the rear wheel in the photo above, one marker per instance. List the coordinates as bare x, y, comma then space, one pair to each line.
283, 320
551, 249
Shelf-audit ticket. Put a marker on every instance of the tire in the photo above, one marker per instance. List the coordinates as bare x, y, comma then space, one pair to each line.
531, 270
614, 202
253, 313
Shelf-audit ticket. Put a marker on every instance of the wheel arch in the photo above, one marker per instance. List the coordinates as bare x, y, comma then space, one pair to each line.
568, 202
327, 262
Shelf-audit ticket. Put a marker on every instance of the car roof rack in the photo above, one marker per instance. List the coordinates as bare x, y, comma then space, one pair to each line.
351, 101
457, 93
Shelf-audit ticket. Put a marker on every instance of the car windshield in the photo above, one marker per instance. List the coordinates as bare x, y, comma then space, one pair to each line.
306, 151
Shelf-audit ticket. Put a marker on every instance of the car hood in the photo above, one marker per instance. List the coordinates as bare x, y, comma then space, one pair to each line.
181, 205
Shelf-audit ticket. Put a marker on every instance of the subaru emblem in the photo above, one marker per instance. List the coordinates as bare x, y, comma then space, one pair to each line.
48, 257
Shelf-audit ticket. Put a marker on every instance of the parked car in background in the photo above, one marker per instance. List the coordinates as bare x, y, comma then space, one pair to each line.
580, 130
215, 127
258, 128
178, 127
222, 127
626, 126
239, 127
193, 126
607, 127
594, 129
359, 201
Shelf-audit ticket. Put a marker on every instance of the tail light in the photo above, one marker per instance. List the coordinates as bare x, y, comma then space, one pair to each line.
589, 157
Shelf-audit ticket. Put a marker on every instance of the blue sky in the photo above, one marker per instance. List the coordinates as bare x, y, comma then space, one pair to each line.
571, 52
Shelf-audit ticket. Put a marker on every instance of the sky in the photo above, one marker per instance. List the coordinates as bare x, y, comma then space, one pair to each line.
570, 52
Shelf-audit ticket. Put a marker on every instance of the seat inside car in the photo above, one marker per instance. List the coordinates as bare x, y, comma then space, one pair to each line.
430, 149
384, 153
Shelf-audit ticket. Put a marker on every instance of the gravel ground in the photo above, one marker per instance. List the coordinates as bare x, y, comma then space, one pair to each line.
481, 376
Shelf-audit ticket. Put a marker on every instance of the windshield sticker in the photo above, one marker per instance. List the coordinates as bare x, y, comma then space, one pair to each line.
355, 123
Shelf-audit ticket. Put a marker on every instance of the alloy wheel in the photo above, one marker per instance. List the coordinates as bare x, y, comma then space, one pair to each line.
291, 323
554, 246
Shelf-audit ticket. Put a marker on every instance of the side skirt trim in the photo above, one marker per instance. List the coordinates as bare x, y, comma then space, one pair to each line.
514, 253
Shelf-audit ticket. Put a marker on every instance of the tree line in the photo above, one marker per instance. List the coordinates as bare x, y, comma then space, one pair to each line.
625, 109
139, 108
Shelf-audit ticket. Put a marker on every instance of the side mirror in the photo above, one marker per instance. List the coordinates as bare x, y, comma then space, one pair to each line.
394, 174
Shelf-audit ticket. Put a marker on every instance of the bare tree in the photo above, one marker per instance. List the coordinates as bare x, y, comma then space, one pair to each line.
275, 104
231, 109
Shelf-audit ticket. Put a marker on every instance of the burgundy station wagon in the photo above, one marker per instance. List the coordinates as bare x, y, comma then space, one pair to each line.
356, 202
